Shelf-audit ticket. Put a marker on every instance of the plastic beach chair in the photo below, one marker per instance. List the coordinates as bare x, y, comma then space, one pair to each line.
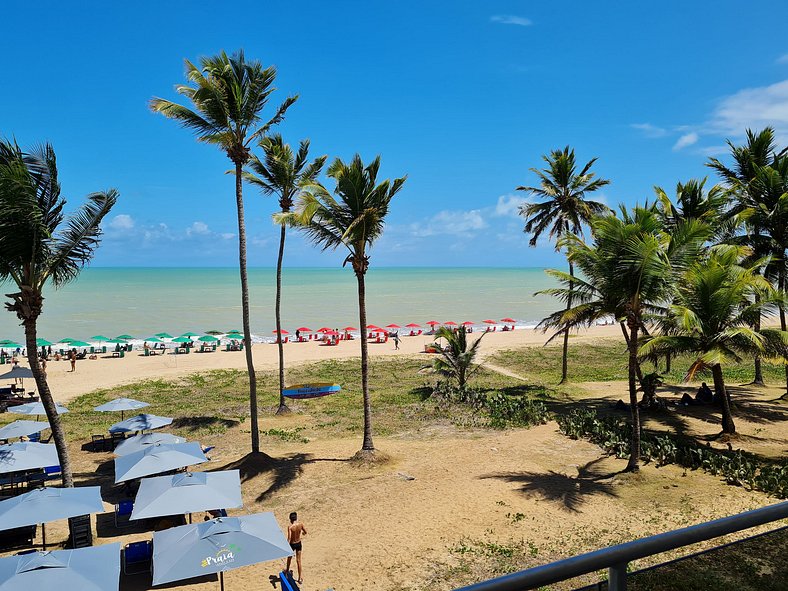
286, 580
137, 557
123, 509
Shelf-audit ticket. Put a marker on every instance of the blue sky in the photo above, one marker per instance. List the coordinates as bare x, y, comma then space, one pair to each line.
463, 96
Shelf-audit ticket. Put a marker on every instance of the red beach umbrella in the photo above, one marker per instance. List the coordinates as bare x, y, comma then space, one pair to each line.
508, 320
432, 323
348, 328
413, 325
467, 323
303, 329
372, 326
450, 323
393, 326
282, 332
489, 321
324, 329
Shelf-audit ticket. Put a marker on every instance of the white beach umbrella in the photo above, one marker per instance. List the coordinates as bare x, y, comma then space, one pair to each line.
158, 458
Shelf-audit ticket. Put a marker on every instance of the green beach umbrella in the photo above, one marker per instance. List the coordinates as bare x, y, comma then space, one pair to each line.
117, 341
79, 344
43, 343
99, 338
4, 341
213, 332
66, 340
234, 332
190, 334
164, 335
125, 337
10, 346
154, 340
182, 340
208, 339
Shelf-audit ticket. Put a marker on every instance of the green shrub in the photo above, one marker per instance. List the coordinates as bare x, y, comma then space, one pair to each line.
736, 467
501, 410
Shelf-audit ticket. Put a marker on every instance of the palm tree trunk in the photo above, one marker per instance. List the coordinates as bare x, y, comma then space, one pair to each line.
634, 453
638, 370
362, 319
282, 406
49, 404
722, 394
239, 199
565, 356
758, 379
781, 288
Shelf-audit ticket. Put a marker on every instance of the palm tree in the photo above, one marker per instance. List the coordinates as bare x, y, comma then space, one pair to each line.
627, 273
712, 315
283, 174
759, 150
40, 245
228, 94
457, 358
564, 208
354, 220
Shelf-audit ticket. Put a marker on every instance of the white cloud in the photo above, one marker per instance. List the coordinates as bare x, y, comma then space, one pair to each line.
783, 59
686, 140
227, 235
122, 223
508, 19
451, 222
509, 205
198, 229
649, 130
752, 108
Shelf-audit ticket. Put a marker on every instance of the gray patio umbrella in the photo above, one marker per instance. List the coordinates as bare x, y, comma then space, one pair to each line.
140, 442
187, 493
140, 422
96, 568
122, 405
22, 429
17, 372
35, 408
158, 458
25, 455
214, 546
49, 504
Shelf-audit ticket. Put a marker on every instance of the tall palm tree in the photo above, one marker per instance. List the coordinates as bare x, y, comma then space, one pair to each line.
712, 315
284, 174
627, 273
228, 94
564, 208
354, 219
40, 245
457, 360
759, 150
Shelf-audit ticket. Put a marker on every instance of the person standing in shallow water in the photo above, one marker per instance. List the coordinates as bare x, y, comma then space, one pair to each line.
295, 531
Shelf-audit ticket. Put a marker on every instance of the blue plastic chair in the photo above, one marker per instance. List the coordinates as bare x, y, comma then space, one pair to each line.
123, 509
135, 555
52, 472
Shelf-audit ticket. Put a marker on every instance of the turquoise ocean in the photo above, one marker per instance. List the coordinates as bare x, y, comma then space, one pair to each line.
144, 301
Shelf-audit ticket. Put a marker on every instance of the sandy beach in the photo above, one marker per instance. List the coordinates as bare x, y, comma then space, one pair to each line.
106, 371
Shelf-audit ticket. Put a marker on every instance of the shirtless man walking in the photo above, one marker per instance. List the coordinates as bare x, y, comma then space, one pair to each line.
295, 530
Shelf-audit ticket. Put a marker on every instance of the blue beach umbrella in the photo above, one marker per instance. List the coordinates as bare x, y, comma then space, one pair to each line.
17, 372
87, 569
35, 408
16, 457
141, 422
141, 442
158, 458
187, 493
49, 504
121, 405
22, 429
215, 546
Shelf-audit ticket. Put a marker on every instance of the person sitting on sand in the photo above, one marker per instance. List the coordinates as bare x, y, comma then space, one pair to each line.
295, 531
704, 395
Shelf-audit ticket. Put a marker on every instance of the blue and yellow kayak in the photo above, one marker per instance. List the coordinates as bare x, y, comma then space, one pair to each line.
304, 391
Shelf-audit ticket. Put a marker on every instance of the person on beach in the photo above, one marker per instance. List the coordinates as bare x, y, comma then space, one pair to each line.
44, 367
395, 336
72, 357
295, 531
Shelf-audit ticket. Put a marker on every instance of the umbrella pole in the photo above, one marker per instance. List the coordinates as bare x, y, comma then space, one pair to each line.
44, 535
221, 580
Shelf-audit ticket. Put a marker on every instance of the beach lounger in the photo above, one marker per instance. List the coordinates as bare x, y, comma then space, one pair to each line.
100, 443
286, 580
137, 557
123, 510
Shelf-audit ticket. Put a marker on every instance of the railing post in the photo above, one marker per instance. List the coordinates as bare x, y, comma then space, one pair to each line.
617, 577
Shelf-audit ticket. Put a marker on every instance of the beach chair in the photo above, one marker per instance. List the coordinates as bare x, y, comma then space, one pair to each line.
285, 579
137, 557
123, 510
52, 472
100, 443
